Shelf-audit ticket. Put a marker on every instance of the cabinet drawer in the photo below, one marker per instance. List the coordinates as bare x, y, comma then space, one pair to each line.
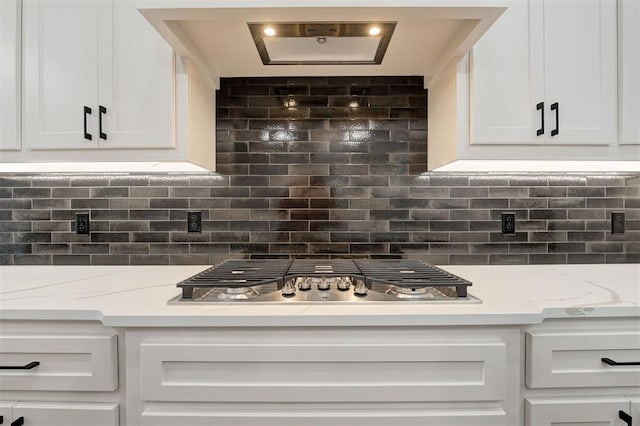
322, 372
575, 411
336, 415
572, 359
66, 362
59, 413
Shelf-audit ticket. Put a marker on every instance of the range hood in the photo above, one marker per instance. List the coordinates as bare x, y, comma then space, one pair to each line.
216, 37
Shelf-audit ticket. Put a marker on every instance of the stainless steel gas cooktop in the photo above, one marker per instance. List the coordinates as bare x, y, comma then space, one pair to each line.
323, 281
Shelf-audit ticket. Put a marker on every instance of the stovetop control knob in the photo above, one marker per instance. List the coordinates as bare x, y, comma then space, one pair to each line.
303, 283
361, 289
344, 283
288, 289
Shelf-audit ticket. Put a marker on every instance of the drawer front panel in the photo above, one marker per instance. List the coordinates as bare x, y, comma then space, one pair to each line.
67, 363
55, 413
575, 411
327, 417
319, 373
558, 360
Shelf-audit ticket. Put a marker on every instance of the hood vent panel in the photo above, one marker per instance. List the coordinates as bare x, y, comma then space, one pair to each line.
322, 43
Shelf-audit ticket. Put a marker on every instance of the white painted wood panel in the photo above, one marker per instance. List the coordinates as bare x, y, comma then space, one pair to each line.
60, 72
221, 372
336, 415
576, 411
573, 359
136, 80
507, 78
629, 50
10, 58
67, 363
60, 413
580, 46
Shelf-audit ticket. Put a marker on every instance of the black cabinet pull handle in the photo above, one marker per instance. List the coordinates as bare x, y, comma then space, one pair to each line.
625, 417
29, 366
103, 110
540, 107
87, 111
556, 108
1, 420
18, 422
609, 361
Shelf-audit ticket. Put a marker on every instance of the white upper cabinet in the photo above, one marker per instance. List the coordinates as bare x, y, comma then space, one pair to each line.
96, 74
629, 49
546, 73
9, 75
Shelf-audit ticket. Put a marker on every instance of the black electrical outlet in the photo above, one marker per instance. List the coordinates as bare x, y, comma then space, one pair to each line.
82, 223
617, 223
194, 221
508, 223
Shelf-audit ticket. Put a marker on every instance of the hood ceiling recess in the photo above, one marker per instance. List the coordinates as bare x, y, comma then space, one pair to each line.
215, 35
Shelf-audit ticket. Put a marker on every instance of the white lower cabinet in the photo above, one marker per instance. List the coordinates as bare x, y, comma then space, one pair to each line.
58, 373
323, 376
583, 372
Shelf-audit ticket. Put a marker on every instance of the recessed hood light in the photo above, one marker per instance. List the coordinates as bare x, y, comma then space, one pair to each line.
322, 43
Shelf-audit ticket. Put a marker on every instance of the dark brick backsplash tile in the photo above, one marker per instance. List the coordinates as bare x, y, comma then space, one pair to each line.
585, 258
54, 248
68, 259
528, 203
547, 259
40, 259
89, 181
347, 183
585, 192
508, 259
610, 203
110, 237
111, 259
566, 247
149, 214
622, 258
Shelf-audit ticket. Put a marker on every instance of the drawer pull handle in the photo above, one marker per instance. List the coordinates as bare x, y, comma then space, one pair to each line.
555, 107
540, 107
1, 420
609, 361
625, 417
18, 422
87, 111
29, 366
102, 110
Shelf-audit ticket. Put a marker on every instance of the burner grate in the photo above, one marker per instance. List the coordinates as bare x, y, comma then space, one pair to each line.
410, 274
237, 273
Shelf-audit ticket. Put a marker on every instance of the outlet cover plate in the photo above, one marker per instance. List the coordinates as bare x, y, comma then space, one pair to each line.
617, 223
194, 221
82, 224
508, 223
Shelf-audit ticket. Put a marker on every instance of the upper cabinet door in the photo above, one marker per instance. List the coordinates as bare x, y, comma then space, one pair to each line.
60, 73
580, 46
9, 75
136, 80
507, 79
629, 33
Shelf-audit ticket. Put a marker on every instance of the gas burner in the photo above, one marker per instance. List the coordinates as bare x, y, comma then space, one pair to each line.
413, 293
236, 293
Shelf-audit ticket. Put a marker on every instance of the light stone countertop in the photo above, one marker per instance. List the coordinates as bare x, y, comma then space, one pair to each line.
136, 296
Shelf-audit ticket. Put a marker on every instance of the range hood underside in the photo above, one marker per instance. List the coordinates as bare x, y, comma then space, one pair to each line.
425, 40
